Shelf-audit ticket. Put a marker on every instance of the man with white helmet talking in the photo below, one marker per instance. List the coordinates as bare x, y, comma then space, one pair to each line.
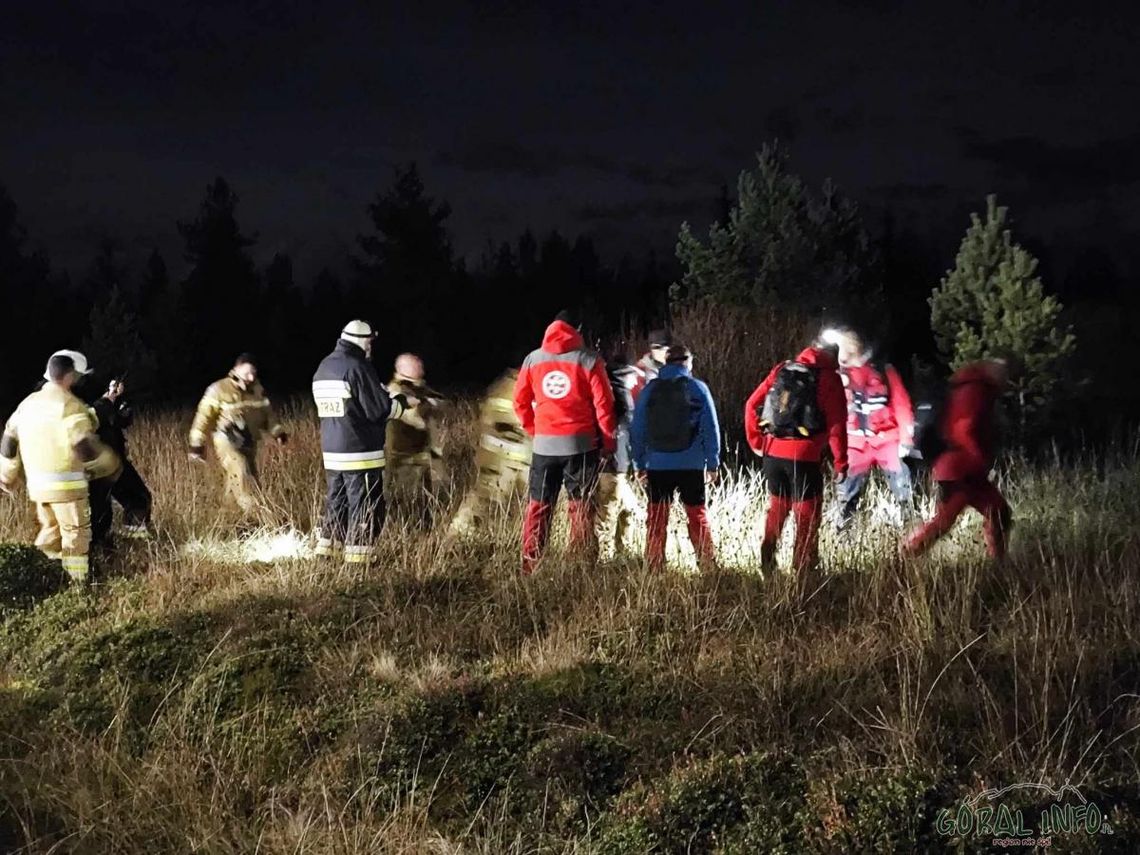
52, 437
354, 408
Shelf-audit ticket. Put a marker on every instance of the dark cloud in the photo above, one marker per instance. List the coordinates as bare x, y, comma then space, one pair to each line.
649, 209
904, 191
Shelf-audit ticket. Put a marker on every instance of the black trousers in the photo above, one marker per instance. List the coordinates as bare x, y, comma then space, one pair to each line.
130, 491
665, 483
792, 479
354, 507
577, 472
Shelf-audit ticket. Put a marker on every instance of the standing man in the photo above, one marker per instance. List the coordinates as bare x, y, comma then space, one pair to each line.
676, 450
617, 500
52, 436
564, 400
412, 446
354, 408
652, 362
115, 415
235, 414
790, 420
969, 436
880, 427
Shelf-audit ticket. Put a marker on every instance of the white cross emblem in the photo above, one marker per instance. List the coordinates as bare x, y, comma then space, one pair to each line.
555, 385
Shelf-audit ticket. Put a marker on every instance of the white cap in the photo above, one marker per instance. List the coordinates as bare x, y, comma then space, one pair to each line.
357, 330
75, 356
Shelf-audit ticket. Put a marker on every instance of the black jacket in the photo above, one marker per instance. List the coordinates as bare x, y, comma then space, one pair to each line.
353, 404
114, 419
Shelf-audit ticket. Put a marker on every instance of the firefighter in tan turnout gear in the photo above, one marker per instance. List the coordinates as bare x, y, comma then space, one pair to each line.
412, 443
52, 437
234, 414
502, 460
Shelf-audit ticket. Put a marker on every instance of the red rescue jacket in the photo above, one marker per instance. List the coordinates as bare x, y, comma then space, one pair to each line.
969, 425
832, 403
563, 396
879, 411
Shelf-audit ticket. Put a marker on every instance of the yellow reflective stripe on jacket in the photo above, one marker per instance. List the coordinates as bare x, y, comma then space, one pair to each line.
57, 481
510, 450
357, 554
353, 461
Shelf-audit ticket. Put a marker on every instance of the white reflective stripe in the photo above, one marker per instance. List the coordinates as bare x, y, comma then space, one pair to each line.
331, 389
348, 457
241, 405
516, 450
47, 477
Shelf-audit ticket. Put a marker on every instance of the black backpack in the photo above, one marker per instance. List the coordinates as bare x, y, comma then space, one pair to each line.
929, 442
791, 408
669, 414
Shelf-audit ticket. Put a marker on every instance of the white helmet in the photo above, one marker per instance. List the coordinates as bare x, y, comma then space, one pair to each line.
357, 330
75, 356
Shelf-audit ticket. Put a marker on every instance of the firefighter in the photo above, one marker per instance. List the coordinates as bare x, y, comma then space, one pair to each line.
880, 427
52, 438
115, 415
617, 499
502, 460
565, 403
412, 447
791, 418
354, 408
235, 414
652, 362
968, 436
676, 450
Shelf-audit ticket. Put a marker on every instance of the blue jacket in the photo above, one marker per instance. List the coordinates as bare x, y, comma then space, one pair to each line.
704, 453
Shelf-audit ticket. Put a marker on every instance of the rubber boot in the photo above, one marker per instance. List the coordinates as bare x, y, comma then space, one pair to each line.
700, 534
805, 556
778, 510
535, 533
656, 531
583, 540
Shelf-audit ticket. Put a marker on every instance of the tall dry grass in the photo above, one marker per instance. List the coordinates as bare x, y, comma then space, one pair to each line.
203, 702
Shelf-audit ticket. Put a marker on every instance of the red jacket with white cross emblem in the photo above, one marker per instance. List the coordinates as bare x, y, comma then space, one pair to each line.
563, 396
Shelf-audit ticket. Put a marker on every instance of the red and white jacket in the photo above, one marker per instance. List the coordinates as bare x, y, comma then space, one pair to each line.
879, 411
833, 405
563, 396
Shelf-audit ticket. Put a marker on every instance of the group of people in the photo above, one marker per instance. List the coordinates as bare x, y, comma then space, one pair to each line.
564, 420
593, 430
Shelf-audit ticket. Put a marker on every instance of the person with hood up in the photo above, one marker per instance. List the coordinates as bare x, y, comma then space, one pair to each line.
880, 427
115, 414
412, 446
676, 450
564, 400
790, 420
968, 429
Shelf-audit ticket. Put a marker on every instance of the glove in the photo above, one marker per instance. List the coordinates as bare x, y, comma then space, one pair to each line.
197, 454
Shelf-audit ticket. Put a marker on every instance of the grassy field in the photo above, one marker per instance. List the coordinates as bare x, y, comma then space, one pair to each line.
220, 696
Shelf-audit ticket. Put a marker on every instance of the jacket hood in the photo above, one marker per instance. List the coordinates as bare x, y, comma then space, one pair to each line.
560, 337
668, 372
976, 372
817, 358
343, 346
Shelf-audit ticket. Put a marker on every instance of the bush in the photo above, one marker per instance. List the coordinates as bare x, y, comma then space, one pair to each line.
26, 576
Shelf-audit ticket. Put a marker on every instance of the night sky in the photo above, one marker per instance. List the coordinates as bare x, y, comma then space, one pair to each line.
617, 124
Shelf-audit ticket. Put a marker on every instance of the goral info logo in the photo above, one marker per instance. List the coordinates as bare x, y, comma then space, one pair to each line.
994, 814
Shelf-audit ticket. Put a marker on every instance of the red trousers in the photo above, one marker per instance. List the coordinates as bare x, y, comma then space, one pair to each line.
656, 532
954, 497
807, 512
536, 530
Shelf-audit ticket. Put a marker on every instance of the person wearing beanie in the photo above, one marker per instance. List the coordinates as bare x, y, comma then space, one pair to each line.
51, 439
676, 451
564, 400
790, 420
652, 361
354, 408
234, 415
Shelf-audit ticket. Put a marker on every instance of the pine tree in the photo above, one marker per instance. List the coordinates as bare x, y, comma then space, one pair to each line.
114, 344
993, 303
780, 242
